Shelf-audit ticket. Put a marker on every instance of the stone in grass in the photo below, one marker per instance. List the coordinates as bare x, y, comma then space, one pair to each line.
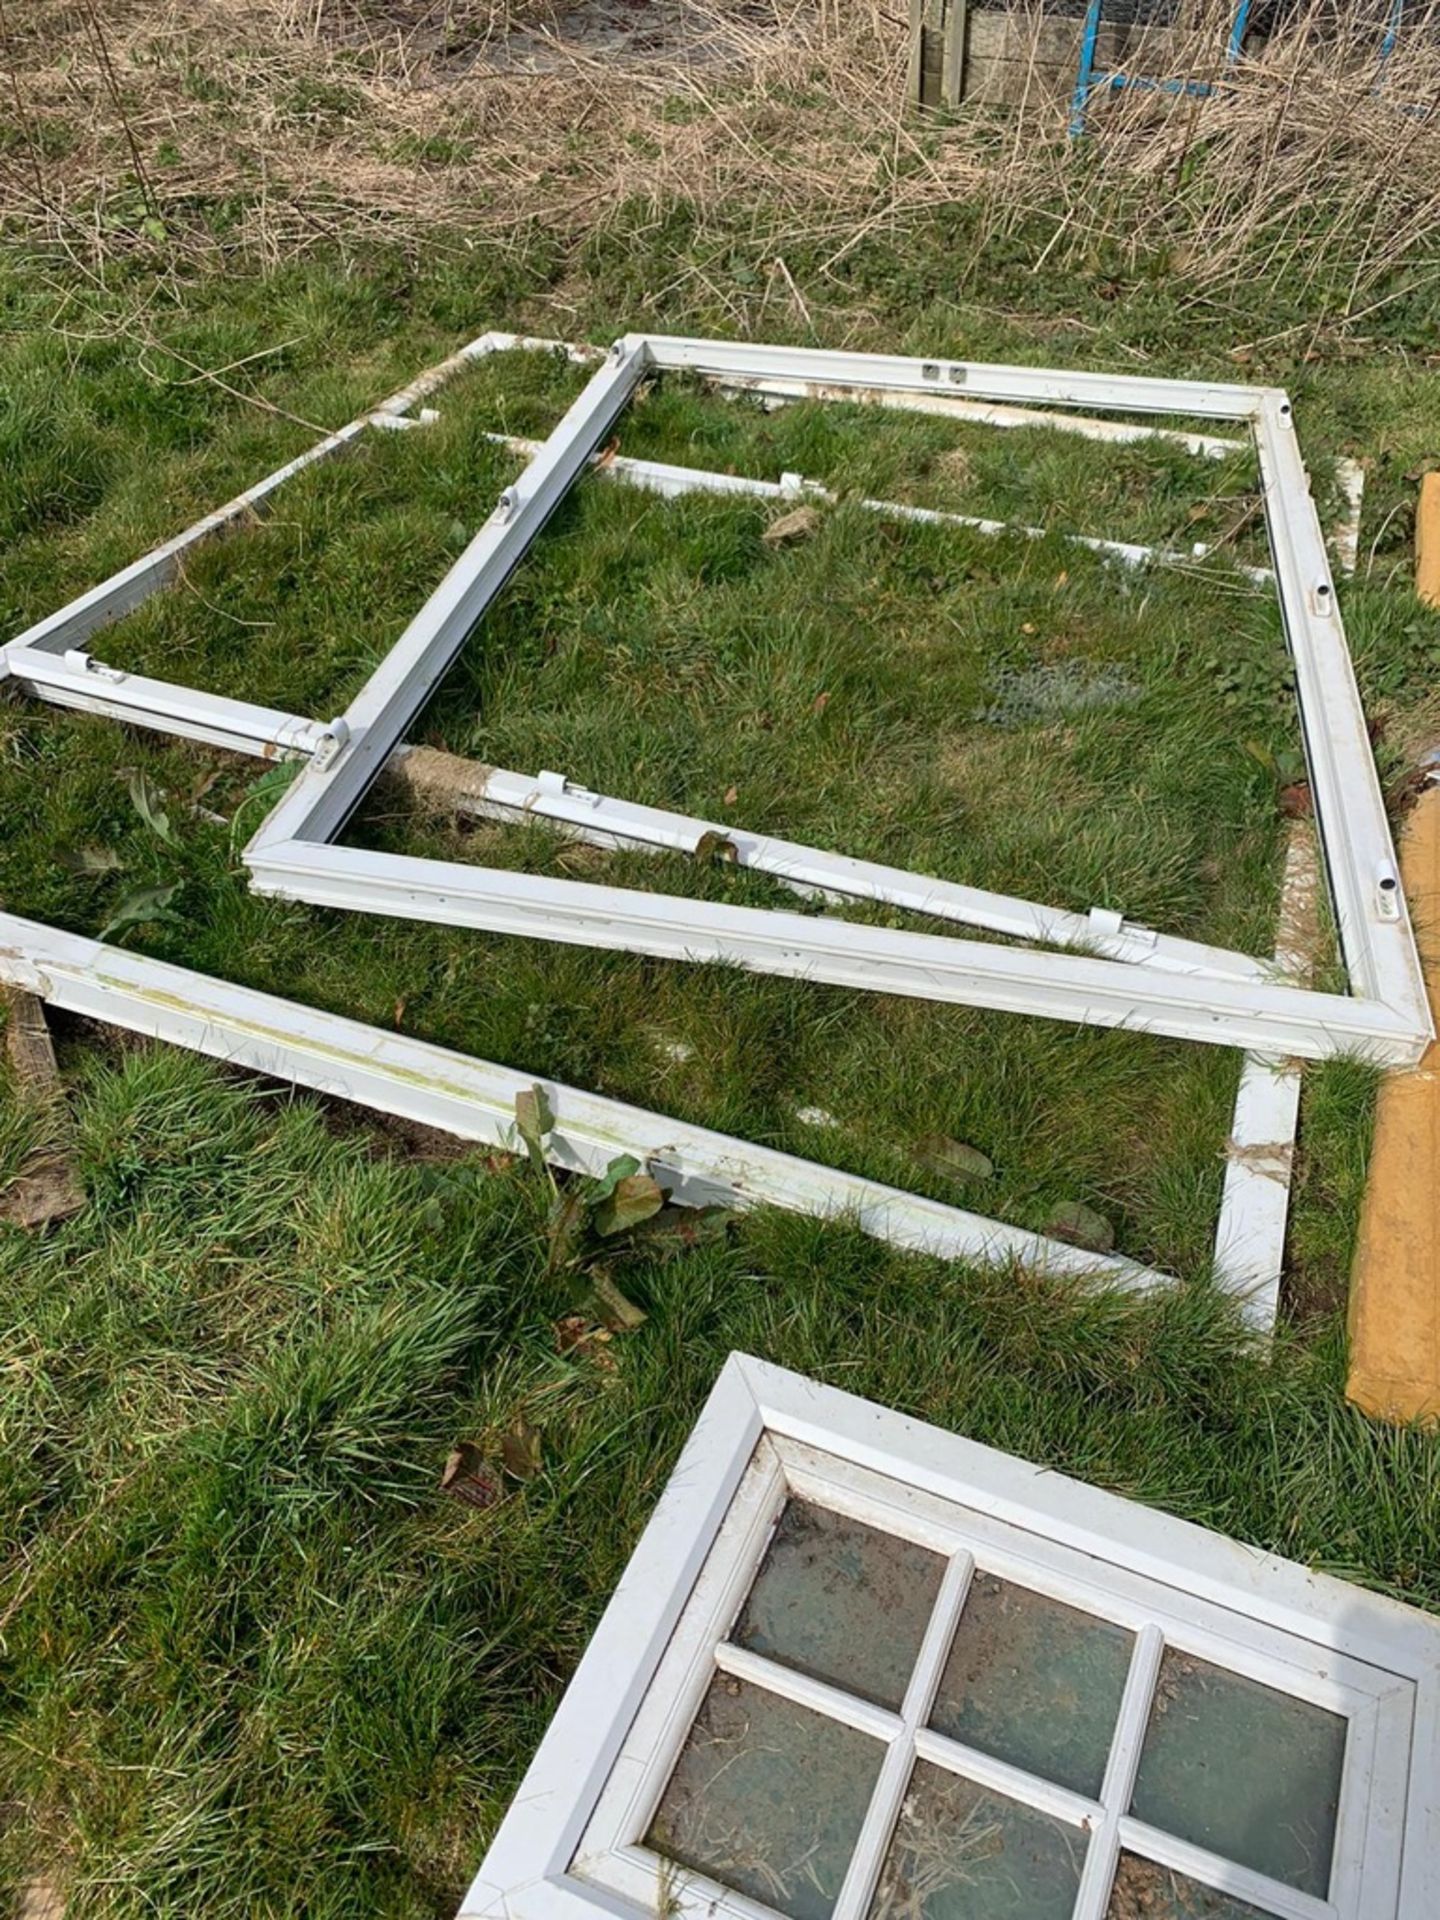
46, 1191
792, 527
1080, 1226
953, 1158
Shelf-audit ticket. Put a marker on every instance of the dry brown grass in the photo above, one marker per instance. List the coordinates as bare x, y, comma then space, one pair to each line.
271, 126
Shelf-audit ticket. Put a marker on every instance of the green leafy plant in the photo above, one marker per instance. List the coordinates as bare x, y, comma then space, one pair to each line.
142, 907
586, 1214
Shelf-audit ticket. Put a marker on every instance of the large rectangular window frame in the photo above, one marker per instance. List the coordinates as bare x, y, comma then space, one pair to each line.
572, 1846
1178, 988
51, 659
1386, 1015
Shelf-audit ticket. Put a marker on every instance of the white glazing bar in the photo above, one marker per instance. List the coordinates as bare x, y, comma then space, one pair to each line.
806, 1691
1000, 1777
76, 681
659, 476
1093, 1900
1061, 986
1260, 1156
951, 406
321, 800
1056, 387
863, 1874
1370, 909
475, 1099
492, 793
1241, 1883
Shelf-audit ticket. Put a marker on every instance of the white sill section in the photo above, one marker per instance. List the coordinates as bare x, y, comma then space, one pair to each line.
862, 1669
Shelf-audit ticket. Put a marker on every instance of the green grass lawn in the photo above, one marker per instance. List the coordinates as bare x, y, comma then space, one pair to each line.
254, 1661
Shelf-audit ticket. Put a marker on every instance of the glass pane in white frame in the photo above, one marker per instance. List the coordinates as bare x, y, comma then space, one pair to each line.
575, 1836
962, 1852
841, 1601
767, 1797
1035, 1682
1243, 1769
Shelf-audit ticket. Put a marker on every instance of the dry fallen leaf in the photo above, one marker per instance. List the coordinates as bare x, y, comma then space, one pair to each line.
1295, 801
732, 794
468, 1476
576, 1333
520, 1449
715, 849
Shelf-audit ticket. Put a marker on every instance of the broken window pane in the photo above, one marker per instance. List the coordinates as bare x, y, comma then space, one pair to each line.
1033, 1682
767, 1797
842, 1601
1243, 1770
961, 1852
1143, 1891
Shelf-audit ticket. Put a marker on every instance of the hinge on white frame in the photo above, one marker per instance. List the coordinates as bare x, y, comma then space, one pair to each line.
402, 422
333, 740
80, 662
1387, 891
557, 784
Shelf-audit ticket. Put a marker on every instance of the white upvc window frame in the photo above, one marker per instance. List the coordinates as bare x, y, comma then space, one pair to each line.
571, 1845
50, 659
1386, 1016
1219, 999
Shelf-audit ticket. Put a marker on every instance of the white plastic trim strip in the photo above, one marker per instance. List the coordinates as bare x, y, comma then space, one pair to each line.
923, 966
475, 1099
1260, 1157
952, 406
